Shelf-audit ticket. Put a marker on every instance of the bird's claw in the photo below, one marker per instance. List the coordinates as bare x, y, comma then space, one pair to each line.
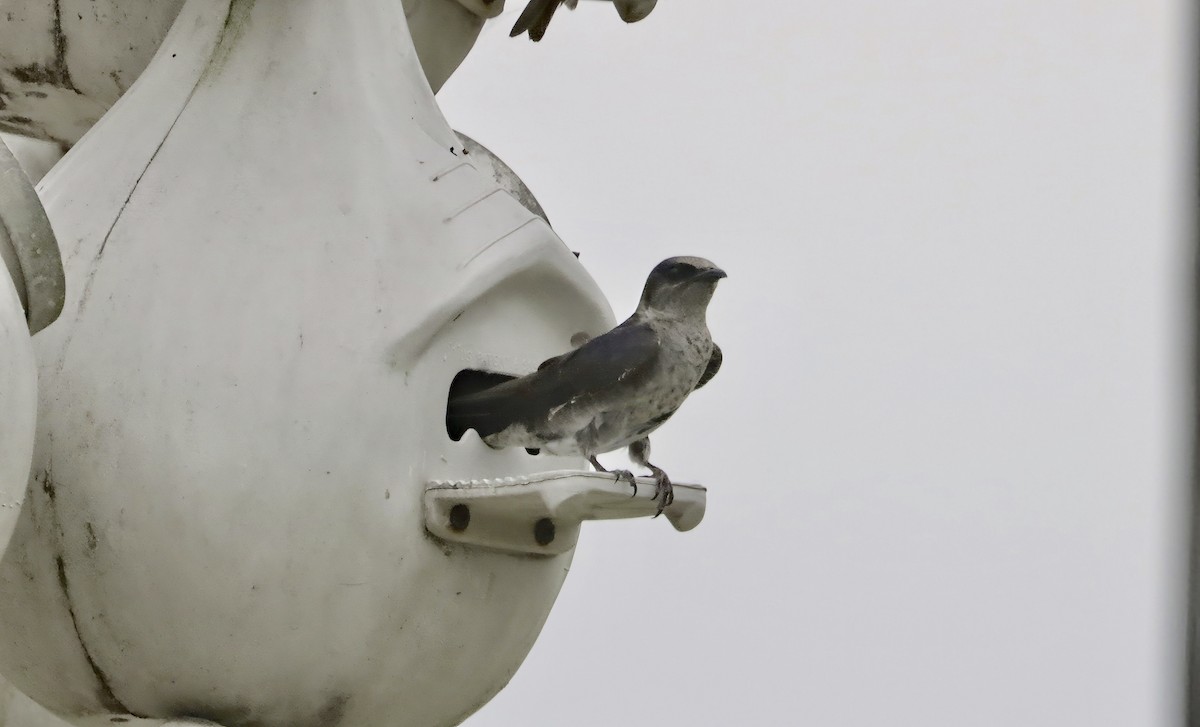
628, 477
664, 494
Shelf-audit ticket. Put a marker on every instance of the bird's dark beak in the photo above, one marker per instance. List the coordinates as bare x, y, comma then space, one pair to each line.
710, 274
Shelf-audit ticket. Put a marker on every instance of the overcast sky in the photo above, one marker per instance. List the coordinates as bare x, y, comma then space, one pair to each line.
944, 454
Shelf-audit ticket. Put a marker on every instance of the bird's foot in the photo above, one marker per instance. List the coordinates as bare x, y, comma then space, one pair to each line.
628, 477
621, 474
664, 494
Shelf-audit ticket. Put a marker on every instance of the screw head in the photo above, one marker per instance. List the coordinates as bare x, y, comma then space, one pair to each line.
543, 531
460, 517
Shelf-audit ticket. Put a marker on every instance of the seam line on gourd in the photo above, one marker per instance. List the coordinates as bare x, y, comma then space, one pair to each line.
183, 107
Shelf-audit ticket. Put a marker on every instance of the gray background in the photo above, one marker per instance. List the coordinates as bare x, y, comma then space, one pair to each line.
946, 452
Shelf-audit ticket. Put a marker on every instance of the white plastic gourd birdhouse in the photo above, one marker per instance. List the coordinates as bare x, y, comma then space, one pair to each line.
245, 505
18, 404
63, 63
31, 295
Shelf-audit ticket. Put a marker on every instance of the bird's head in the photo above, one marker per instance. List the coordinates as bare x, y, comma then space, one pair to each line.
680, 286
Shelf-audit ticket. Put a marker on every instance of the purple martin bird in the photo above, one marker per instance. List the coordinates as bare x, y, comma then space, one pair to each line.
535, 18
615, 389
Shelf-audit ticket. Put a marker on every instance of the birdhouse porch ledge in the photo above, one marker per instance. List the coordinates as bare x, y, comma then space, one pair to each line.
541, 513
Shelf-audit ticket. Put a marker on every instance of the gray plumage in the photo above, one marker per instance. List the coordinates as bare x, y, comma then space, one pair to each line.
615, 389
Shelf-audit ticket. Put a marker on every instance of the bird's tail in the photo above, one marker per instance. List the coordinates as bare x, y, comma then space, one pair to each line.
481, 403
535, 18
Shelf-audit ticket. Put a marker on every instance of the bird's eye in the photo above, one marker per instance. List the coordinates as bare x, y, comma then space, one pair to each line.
677, 271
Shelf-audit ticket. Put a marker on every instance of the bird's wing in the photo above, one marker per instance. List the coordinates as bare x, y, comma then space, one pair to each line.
553, 360
714, 365
577, 340
602, 370
535, 18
